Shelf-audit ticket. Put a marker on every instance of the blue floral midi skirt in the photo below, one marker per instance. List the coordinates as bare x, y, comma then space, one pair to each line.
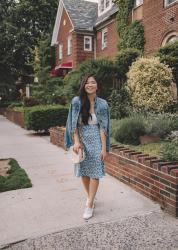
91, 166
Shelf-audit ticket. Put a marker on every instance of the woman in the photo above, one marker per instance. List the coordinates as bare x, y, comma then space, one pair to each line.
88, 128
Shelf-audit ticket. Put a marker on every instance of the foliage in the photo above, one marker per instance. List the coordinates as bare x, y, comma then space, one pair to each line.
48, 89
30, 101
149, 83
22, 24
169, 151
125, 7
17, 178
119, 102
123, 61
41, 118
168, 55
129, 130
103, 69
131, 35
153, 148
43, 58
15, 104
173, 108
160, 124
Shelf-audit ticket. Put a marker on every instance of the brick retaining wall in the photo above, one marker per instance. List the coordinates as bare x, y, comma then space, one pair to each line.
57, 136
148, 175
14, 116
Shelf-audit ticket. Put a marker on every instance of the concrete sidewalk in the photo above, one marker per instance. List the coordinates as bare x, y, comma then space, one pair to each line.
49, 215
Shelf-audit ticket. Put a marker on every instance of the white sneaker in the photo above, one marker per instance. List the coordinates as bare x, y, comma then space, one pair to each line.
88, 213
87, 201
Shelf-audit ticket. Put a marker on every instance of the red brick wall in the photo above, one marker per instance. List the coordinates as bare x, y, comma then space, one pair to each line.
157, 23
64, 32
111, 50
79, 55
16, 117
148, 175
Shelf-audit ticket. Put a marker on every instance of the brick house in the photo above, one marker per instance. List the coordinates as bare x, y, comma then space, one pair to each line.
87, 29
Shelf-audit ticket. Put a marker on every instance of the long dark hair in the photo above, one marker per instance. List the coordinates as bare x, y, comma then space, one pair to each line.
85, 103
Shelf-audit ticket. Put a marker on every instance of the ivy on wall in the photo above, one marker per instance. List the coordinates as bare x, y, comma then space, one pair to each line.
131, 35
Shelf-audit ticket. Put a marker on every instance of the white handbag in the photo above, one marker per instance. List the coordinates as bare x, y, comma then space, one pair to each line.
77, 158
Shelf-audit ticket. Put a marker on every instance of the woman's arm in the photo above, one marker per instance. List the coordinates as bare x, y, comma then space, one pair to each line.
103, 142
77, 143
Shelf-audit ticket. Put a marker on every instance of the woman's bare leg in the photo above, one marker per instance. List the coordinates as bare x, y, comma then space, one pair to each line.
86, 183
93, 187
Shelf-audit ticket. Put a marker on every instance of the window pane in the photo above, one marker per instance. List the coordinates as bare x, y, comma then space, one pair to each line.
170, 1
104, 39
172, 39
107, 3
87, 43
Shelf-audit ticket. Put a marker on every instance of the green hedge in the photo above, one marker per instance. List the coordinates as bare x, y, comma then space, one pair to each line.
41, 118
17, 178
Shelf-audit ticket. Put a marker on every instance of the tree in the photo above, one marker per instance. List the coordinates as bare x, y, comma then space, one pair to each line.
23, 22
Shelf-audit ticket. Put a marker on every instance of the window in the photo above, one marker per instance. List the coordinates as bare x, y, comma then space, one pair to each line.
69, 45
104, 5
87, 43
107, 3
170, 38
138, 3
167, 2
104, 38
60, 51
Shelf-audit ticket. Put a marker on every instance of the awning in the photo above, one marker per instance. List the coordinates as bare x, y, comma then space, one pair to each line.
67, 65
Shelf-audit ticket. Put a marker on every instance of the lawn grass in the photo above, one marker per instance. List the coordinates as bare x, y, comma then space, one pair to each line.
153, 149
17, 178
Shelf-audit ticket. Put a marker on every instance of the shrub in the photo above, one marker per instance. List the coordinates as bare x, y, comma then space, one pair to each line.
47, 91
169, 151
119, 102
168, 55
129, 130
103, 69
160, 124
149, 83
17, 178
173, 108
15, 104
41, 118
123, 61
30, 101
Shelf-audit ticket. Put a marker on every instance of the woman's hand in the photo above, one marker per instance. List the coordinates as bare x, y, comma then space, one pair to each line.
76, 147
103, 154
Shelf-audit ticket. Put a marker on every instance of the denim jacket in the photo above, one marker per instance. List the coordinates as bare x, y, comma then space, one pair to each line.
101, 109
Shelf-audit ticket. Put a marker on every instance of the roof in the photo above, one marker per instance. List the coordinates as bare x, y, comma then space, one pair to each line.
83, 14
106, 15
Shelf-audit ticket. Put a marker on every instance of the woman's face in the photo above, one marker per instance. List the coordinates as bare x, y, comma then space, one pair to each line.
91, 86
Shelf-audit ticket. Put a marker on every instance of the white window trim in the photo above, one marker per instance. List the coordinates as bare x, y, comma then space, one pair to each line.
60, 51
69, 46
138, 5
90, 38
105, 9
103, 46
168, 36
169, 4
